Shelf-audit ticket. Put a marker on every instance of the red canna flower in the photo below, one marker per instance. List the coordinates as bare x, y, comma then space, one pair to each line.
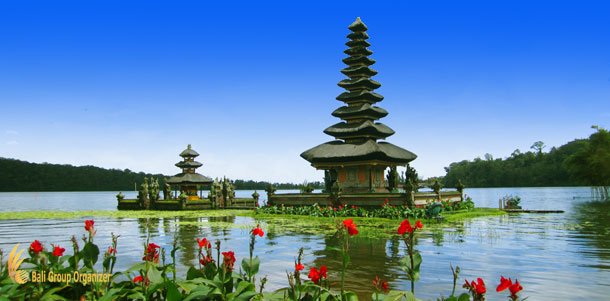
205, 260
36, 247
405, 227
204, 243
58, 251
350, 226
258, 231
418, 224
152, 254
228, 260
504, 284
111, 250
515, 288
323, 271
385, 286
381, 285
480, 286
314, 275
299, 267
89, 225
476, 288
139, 278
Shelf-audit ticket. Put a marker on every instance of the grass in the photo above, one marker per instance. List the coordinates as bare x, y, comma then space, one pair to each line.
273, 223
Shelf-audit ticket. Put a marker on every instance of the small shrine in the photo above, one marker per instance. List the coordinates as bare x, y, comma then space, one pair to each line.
184, 191
189, 181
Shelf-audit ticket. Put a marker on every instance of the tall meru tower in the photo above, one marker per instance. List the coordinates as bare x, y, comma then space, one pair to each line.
356, 160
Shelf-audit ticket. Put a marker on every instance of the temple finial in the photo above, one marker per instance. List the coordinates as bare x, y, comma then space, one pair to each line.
357, 25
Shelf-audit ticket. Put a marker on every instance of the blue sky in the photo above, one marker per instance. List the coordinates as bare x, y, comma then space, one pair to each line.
251, 85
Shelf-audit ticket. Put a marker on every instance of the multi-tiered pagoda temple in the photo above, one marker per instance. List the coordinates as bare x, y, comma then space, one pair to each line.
356, 160
189, 181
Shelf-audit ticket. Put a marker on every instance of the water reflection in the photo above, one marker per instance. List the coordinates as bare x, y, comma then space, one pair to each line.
593, 225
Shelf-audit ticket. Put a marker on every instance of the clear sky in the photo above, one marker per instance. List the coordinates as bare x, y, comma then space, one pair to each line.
251, 85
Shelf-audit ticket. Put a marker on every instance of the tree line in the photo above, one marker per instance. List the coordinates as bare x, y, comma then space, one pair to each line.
576, 163
17, 175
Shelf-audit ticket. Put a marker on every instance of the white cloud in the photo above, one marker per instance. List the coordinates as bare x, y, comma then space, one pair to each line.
11, 132
12, 142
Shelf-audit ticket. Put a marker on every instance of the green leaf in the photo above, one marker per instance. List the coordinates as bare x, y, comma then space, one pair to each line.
90, 254
154, 276
172, 292
51, 296
349, 296
464, 297
193, 273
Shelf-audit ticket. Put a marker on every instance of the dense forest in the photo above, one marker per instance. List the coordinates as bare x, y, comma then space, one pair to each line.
579, 162
17, 175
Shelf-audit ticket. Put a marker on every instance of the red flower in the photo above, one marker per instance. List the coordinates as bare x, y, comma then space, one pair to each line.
418, 224
89, 225
350, 226
205, 260
111, 250
515, 288
479, 286
385, 286
323, 271
228, 260
299, 267
36, 247
504, 284
314, 275
381, 285
405, 227
204, 243
258, 231
152, 254
139, 278
58, 251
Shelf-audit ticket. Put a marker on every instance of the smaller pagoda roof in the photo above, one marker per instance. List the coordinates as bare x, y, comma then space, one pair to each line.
188, 164
189, 152
189, 178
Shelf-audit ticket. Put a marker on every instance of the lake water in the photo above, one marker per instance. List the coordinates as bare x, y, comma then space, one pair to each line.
555, 256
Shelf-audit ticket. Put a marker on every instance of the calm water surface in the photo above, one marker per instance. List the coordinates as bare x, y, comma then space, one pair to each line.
555, 256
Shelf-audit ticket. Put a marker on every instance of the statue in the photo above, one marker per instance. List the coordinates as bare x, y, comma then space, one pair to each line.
143, 195
182, 200
393, 180
153, 193
436, 187
167, 191
120, 196
412, 176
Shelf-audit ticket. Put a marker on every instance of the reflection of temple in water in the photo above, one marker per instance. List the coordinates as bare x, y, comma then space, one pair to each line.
185, 231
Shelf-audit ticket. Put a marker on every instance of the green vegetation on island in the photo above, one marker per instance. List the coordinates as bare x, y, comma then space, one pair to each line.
577, 163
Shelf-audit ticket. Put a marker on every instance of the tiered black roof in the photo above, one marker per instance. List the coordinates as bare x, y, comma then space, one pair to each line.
359, 129
188, 165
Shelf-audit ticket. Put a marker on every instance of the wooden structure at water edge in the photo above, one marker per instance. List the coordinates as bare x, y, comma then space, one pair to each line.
184, 191
355, 162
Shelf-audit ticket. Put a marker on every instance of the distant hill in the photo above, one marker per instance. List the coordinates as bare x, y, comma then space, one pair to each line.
579, 162
17, 175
